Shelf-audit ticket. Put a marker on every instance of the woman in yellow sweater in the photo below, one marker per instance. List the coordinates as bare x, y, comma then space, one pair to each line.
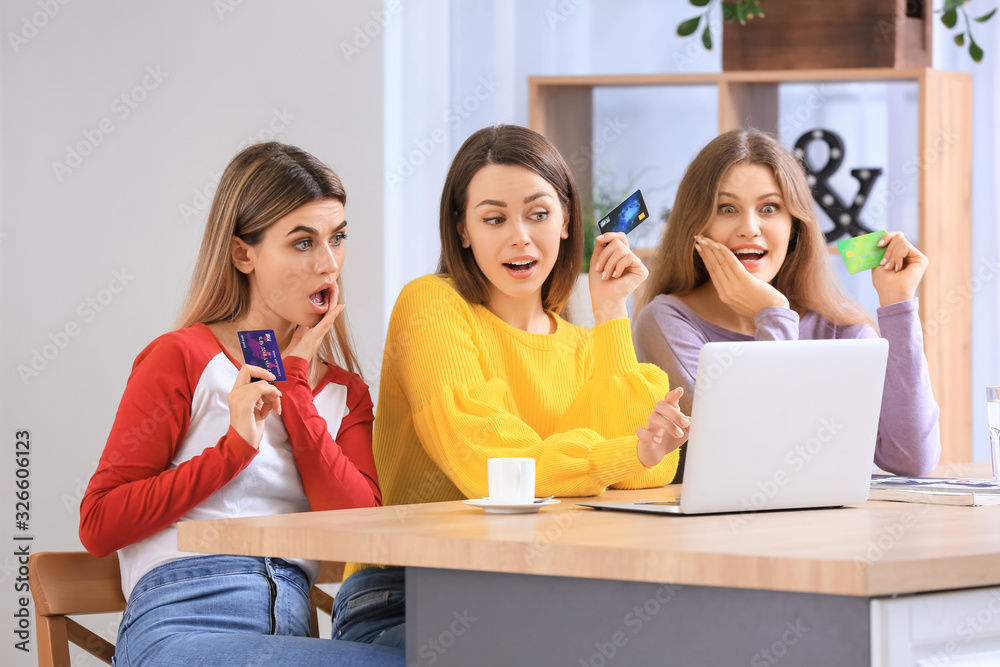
479, 364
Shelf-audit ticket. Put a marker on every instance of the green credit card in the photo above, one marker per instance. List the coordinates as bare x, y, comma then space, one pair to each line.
862, 252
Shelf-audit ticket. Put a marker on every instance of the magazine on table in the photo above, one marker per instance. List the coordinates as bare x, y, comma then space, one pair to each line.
935, 490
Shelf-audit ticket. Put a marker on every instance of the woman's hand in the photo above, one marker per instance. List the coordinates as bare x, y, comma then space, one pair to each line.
902, 269
251, 402
306, 340
738, 288
667, 429
615, 272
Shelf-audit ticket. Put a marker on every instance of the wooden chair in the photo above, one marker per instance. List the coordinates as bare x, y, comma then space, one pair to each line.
330, 572
74, 582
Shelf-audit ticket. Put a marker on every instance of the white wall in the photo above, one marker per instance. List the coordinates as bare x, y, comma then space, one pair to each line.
229, 72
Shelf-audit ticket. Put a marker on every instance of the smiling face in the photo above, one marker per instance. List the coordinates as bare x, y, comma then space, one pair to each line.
294, 268
514, 224
751, 219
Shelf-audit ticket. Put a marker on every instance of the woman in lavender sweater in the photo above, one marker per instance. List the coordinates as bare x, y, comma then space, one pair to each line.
743, 258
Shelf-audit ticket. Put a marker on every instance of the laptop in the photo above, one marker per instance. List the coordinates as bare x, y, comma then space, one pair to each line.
778, 425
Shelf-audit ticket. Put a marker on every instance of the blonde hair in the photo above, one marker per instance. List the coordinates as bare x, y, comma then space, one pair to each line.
261, 185
805, 277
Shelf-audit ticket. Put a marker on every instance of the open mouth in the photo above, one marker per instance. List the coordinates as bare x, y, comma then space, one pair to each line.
520, 266
320, 298
750, 257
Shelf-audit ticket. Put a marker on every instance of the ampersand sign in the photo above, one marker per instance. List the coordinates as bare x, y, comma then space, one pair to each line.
845, 218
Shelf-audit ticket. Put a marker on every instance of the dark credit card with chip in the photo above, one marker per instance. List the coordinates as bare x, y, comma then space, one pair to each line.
626, 216
260, 348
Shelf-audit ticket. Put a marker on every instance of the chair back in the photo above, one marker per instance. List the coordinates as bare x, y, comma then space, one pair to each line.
67, 583
74, 582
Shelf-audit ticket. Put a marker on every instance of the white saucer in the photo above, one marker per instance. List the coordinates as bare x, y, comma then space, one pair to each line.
520, 508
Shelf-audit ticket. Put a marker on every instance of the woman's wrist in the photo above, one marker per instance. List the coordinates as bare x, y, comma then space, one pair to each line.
611, 312
890, 298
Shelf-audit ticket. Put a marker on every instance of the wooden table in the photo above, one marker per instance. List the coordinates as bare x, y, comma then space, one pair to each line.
883, 584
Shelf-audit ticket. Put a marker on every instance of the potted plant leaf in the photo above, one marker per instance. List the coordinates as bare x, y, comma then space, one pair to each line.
819, 34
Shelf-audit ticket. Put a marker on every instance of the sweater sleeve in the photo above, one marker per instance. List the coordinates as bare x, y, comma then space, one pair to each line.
663, 336
462, 418
337, 473
135, 493
618, 395
776, 323
909, 439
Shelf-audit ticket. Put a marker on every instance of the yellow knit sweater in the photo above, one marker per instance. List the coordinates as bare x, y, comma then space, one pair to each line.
460, 386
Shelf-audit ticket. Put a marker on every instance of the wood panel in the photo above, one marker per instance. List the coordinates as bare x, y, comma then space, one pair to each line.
815, 34
944, 173
746, 105
565, 115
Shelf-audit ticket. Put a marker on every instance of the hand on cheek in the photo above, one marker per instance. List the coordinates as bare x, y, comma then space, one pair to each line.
307, 340
737, 288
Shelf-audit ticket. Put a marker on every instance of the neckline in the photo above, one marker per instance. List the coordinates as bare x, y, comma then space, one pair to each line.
539, 340
703, 322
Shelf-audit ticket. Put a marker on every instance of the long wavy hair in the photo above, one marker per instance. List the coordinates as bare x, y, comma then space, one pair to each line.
509, 145
805, 277
261, 185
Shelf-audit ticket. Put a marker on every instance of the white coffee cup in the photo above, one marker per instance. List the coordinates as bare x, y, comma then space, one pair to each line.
511, 481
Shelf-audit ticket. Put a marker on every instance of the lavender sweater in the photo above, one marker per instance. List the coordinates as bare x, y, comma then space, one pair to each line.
670, 335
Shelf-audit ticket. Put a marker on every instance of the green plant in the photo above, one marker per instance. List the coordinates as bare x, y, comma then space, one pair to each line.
949, 17
743, 10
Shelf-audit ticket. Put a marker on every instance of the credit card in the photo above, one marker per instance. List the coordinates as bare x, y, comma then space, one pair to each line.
626, 216
862, 252
260, 348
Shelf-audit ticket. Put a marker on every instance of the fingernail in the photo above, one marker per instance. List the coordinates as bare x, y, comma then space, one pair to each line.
678, 432
697, 247
882, 262
657, 439
686, 421
881, 242
604, 276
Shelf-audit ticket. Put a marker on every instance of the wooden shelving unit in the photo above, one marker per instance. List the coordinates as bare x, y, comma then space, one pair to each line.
561, 108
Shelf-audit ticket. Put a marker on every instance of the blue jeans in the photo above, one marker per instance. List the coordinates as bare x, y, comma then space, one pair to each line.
230, 610
371, 607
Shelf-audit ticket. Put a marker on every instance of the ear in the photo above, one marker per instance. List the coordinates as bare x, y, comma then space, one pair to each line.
463, 235
242, 255
564, 234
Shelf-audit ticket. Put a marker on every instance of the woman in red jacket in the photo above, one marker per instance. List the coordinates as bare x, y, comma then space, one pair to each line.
197, 436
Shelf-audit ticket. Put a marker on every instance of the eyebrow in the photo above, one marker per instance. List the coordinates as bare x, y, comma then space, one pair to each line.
765, 196
311, 230
527, 200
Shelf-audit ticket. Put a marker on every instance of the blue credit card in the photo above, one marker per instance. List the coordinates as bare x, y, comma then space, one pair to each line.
260, 348
626, 216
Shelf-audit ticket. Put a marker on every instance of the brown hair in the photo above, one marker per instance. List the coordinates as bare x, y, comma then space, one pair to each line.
805, 277
261, 185
517, 146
